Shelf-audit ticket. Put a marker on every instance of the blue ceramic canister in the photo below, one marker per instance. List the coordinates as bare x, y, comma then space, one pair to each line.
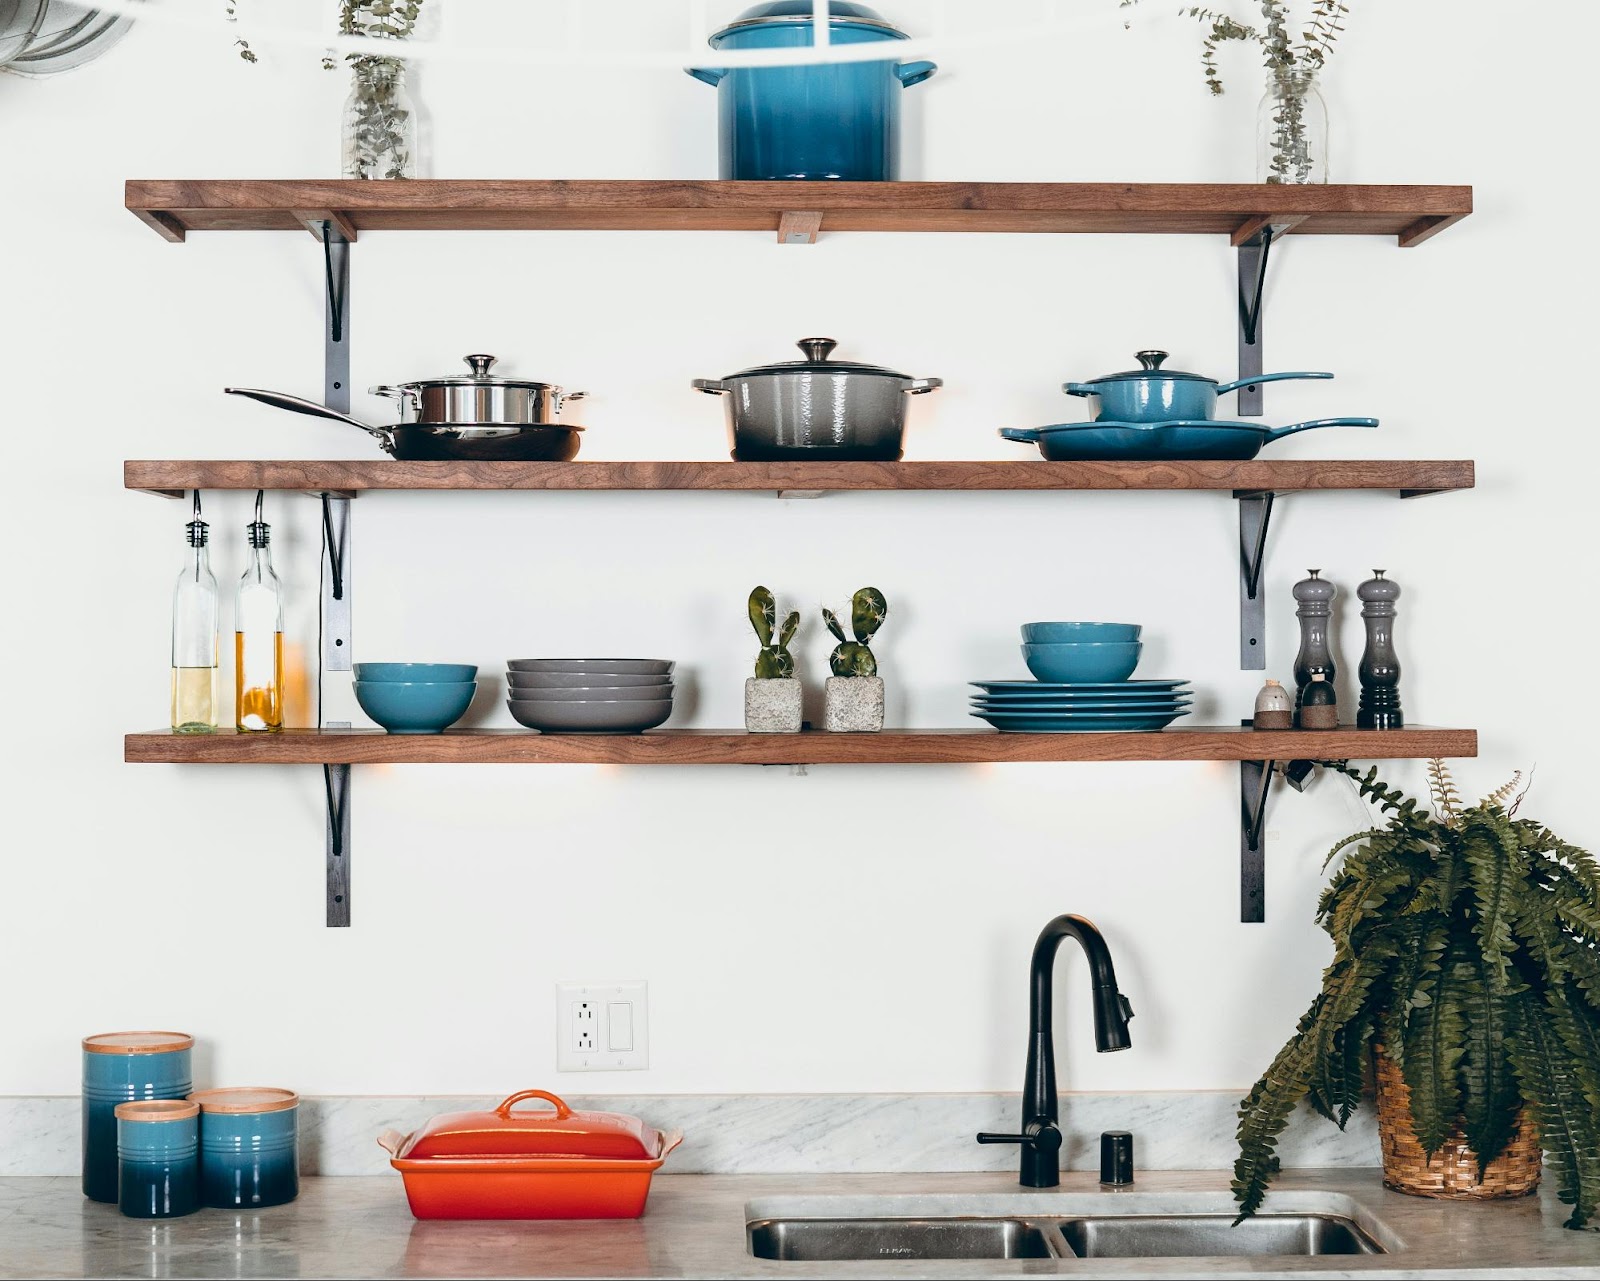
836, 120
158, 1158
249, 1147
123, 1067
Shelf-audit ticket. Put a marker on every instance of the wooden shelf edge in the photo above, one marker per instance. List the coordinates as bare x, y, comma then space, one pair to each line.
1409, 477
813, 747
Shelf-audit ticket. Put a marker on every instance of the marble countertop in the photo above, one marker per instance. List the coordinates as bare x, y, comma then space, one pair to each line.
695, 1227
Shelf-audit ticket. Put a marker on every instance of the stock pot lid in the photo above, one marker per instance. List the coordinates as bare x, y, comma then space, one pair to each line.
840, 13
479, 376
1151, 362
816, 361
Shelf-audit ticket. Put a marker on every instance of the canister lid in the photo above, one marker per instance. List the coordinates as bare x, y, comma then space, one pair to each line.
245, 1098
157, 1110
138, 1042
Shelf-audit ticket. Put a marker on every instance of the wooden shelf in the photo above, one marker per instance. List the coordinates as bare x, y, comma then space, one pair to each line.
1412, 214
736, 747
174, 478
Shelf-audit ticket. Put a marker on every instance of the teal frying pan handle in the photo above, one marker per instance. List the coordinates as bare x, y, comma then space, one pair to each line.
1277, 433
1225, 388
1027, 435
711, 75
1080, 389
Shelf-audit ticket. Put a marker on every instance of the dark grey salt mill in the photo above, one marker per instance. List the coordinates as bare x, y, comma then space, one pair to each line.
1315, 610
1380, 665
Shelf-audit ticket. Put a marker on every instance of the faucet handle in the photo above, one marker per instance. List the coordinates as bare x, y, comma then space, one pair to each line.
1044, 1138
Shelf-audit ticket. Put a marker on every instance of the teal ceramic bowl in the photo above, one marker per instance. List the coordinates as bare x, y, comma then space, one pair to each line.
1079, 664
441, 673
415, 707
1058, 633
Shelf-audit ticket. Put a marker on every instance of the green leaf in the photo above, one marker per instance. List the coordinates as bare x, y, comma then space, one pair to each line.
833, 625
1494, 866
868, 609
1434, 1043
763, 613
1489, 1095
1568, 1127
790, 626
1263, 1114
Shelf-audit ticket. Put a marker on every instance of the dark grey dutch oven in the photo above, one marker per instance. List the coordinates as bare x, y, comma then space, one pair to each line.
1152, 394
817, 408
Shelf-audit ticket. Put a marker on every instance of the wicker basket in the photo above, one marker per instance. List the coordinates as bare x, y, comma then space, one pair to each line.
1453, 1172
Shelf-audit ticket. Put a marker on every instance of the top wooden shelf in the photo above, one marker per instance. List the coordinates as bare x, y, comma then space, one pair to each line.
1412, 214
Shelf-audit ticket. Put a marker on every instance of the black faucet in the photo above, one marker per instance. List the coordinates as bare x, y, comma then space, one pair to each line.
1041, 1134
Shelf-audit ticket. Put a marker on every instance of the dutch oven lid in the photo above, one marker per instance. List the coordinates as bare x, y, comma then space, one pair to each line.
841, 13
480, 376
1151, 362
504, 1133
242, 1099
138, 1042
816, 361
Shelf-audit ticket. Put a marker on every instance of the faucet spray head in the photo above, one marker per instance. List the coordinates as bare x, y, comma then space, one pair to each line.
1111, 1014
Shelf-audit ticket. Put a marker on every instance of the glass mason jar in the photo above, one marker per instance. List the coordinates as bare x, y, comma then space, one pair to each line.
380, 121
1292, 129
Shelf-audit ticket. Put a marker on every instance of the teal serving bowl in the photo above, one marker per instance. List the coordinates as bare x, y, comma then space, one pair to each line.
1079, 664
1069, 633
432, 673
415, 707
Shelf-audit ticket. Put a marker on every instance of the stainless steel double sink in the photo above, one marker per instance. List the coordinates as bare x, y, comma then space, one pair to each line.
1055, 1226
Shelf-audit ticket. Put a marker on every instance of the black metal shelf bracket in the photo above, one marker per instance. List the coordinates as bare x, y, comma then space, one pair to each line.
1253, 255
1255, 786
336, 781
1255, 517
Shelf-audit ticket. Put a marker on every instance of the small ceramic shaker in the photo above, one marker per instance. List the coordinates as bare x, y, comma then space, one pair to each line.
1274, 707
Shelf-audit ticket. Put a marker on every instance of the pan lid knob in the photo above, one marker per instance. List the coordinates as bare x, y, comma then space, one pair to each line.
816, 349
1152, 359
480, 364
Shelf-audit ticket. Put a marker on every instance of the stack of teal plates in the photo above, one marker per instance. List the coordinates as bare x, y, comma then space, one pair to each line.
1043, 707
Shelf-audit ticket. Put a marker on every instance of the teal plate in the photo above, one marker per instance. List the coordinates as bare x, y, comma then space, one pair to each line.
1041, 687
1144, 707
1048, 724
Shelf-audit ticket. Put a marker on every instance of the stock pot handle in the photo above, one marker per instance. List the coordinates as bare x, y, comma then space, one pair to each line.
711, 75
919, 385
562, 1110
1224, 388
711, 386
914, 73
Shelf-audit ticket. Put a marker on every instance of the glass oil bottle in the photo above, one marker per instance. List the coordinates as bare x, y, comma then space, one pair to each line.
194, 635
258, 636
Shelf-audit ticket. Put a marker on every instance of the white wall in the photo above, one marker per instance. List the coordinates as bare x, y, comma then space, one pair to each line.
857, 929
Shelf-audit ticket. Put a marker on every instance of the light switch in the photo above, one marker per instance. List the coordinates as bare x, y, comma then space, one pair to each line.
619, 1025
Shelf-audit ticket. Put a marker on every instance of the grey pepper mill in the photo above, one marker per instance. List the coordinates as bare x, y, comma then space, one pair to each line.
1380, 665
1314, 611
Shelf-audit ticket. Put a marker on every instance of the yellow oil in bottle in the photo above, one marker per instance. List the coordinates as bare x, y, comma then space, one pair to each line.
194, 699
258, 681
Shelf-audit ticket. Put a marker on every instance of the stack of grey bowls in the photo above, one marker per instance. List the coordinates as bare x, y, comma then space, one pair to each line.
590, 695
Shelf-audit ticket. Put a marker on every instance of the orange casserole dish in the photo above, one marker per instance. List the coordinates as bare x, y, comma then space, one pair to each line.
529, 1165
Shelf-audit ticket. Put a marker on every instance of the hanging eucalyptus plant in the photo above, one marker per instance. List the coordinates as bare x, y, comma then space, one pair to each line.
1467, 945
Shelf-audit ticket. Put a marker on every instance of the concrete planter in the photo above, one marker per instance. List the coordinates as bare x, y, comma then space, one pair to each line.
772, 705
855, 704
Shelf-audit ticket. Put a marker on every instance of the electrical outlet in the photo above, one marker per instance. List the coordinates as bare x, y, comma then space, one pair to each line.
602, 1027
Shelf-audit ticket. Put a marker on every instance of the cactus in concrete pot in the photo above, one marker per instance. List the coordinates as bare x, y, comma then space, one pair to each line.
772, 697
855, 691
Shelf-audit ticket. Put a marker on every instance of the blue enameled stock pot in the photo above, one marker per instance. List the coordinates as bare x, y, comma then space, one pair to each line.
1152, 394
838, 120
125, 1067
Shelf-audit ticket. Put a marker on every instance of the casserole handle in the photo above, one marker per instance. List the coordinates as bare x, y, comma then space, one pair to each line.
919, 385
391, 1141
1027, 435
562, 1110
1080, 389
711, 386
1224, 388
1279, 432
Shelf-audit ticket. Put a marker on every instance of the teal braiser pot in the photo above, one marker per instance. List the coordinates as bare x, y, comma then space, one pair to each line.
249, 1147
124, 1067
158, 1159
837, 120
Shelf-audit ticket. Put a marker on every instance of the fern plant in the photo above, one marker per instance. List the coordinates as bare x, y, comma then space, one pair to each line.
1466, 943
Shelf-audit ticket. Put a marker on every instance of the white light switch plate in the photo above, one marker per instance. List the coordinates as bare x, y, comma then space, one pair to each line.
603, 1027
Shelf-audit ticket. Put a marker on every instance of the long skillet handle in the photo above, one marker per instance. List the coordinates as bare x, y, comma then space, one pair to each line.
1278, 433
282, 400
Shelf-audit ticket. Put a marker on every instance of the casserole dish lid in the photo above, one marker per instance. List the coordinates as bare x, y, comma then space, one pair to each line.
816, 361
1151, 368
506, 1134
841, 13
479, 364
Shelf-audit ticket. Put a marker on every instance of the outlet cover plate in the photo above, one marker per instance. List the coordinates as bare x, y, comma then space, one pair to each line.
603, 1027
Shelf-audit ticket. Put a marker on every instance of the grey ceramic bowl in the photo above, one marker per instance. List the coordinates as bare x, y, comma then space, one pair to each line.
616, 666
627, 717
577, 680
596, 694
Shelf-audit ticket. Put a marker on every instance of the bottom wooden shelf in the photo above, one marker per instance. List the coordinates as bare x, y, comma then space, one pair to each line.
812, 747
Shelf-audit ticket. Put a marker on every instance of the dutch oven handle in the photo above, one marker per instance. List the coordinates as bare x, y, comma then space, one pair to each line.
1080, 389
711, 75
917, 386
911, 73
562, 1110
711, 386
